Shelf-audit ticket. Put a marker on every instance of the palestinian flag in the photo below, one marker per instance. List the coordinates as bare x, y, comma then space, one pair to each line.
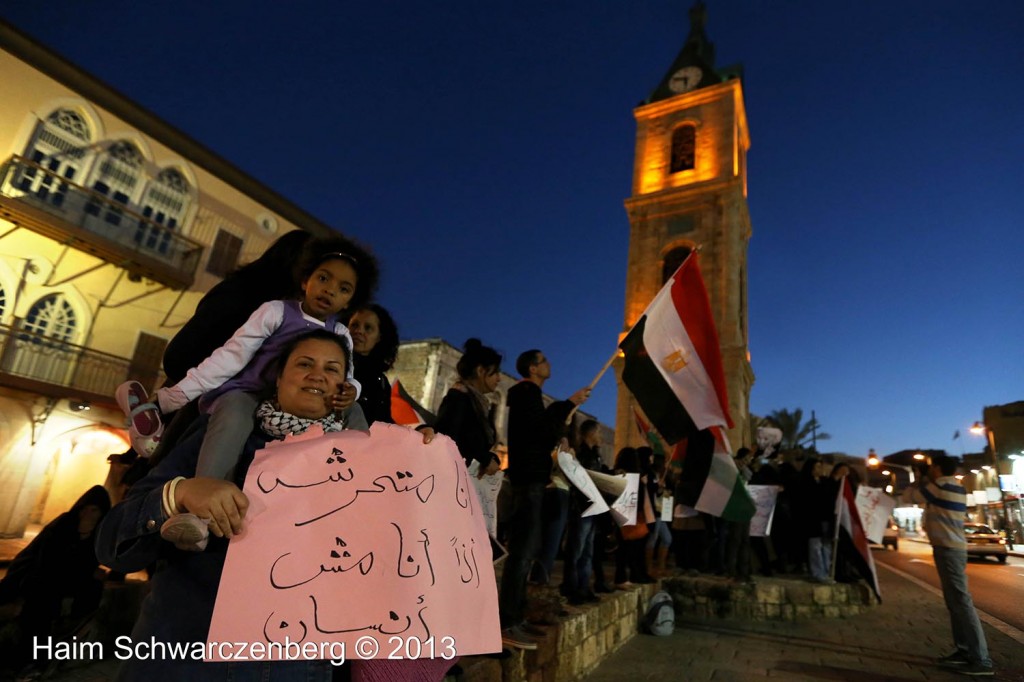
672, 364
709, 480
405, 410
853, 541
650, 434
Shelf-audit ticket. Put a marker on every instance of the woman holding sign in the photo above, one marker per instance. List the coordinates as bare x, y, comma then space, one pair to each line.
180, 604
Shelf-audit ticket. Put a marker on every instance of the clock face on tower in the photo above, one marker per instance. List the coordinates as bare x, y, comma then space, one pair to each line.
685, 79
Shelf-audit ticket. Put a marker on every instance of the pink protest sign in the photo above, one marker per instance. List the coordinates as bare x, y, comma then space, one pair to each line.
352, 535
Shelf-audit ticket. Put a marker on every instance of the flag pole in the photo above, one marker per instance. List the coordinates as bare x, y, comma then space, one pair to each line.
835, 533
590, 387
603, 369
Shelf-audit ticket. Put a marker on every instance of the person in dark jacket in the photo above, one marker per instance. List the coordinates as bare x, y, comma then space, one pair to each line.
59, 564
466, 415
375, 346
533, 431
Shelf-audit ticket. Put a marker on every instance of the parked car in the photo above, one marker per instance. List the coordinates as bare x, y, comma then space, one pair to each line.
891, 538
983, 541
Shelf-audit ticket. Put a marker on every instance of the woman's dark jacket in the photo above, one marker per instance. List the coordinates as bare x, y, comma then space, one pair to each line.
376, 396
462, 418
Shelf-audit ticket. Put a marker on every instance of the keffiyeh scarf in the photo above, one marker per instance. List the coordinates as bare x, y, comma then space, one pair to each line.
280, 424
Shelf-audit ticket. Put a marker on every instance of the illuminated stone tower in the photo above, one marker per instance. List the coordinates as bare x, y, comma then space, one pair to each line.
690, 190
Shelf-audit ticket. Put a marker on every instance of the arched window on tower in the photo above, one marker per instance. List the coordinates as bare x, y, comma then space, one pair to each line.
165, 203
55, 156
3, 301
684, 148
116, 178
673, 259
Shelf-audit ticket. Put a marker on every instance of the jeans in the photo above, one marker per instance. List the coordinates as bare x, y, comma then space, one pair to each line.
659, 531
524, 531
819, 557
968, 637
579, 556
555, 516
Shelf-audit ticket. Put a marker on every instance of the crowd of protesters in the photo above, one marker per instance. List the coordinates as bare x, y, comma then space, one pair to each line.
294, 339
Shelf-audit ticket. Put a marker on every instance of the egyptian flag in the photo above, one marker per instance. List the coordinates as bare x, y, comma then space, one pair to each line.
709, 480
853, 541
405, 410
672, 360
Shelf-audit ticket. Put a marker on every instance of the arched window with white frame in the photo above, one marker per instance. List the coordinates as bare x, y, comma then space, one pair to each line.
117, 177
55, 156
43, 349
51, 318
165, 203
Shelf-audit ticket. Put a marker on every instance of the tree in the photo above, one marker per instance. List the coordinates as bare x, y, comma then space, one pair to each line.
796, 434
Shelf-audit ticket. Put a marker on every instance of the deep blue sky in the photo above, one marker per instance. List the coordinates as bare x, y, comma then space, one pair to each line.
484, 151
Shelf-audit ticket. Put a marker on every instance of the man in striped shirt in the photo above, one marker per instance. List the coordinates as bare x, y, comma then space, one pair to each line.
945, 503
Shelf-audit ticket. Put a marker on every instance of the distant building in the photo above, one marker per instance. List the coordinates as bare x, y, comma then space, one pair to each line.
426, 369
112, 226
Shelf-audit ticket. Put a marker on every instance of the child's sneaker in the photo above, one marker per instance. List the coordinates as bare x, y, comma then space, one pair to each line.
144, 423
188, 532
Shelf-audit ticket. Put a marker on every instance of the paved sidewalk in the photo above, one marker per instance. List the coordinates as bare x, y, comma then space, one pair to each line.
894, 642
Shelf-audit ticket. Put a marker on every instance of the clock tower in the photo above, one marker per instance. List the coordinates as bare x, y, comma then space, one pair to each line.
689, 192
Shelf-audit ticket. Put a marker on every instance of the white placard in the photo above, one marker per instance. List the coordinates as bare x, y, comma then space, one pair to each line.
488, 488
764, 497
624, 487
580, 478
874, 507
666, 509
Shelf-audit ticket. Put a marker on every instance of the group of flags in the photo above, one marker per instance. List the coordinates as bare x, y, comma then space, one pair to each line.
673, 367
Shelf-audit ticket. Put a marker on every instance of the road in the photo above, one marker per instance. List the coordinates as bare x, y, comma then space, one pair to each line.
997, 589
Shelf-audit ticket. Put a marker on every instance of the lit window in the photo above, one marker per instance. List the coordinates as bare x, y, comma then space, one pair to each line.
684, 148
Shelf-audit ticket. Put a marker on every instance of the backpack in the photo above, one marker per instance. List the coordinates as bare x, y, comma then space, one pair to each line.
660, 617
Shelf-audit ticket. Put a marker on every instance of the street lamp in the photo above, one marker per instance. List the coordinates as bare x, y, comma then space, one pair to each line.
872, 458
977, 428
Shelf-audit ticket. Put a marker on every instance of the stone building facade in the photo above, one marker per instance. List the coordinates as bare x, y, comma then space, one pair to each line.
690, 192
112, 226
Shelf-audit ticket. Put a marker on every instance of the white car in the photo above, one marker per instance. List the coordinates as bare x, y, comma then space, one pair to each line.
983, 541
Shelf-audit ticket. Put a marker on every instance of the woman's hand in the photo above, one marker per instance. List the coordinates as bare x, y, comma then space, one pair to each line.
491, 469
344, 398
428, 433
219, 501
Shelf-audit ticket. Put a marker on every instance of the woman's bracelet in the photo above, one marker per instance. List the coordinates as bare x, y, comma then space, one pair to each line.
170, 507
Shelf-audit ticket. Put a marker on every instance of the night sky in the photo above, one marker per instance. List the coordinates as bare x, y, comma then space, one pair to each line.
484, 150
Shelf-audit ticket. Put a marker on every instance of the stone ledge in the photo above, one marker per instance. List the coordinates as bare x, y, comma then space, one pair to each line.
572, 648
767, 598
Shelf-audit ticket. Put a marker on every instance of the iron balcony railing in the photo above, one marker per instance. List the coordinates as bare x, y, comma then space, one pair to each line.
98, 223
33, 361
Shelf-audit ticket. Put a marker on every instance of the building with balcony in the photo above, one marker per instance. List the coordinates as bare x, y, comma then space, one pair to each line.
112, 226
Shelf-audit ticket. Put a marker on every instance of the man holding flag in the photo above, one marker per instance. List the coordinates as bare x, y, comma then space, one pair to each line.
673, 367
